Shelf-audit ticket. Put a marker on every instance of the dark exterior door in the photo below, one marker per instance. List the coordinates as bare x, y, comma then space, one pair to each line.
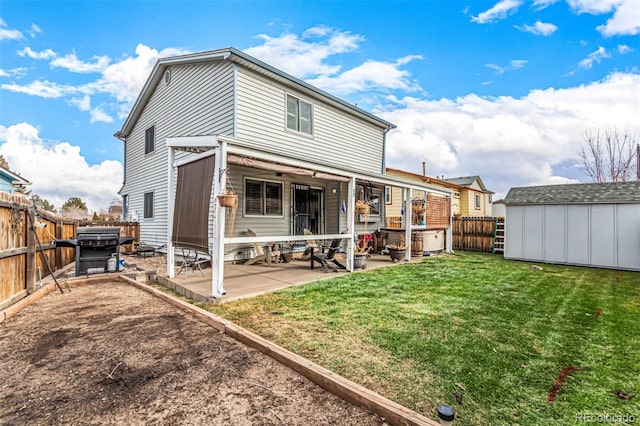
307, 204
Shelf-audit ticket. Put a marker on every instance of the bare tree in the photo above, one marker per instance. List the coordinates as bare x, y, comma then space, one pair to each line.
608, 156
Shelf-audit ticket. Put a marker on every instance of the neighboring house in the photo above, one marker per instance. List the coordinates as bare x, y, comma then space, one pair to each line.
475, 198
394, 195
469, 195
590, 224
498, 208
11, 182
296, 157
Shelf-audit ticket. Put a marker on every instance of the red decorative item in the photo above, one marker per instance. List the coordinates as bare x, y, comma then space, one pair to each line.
599, 312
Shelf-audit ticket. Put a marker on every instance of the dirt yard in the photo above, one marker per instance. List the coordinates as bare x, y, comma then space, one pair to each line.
114, 354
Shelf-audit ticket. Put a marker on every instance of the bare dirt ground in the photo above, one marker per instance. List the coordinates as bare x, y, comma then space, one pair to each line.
114, 354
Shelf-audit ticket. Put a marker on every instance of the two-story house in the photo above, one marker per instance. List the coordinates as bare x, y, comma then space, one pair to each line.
296, 157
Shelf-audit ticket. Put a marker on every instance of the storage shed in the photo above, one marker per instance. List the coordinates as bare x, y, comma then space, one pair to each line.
589, 224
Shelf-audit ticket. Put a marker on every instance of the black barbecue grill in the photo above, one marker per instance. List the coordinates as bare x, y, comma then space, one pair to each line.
95, 245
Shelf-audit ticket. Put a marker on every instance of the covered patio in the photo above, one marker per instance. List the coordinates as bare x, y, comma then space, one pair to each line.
245, 281
187, 206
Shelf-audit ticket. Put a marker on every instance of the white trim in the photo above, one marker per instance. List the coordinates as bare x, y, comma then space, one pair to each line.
217, 254
171, 205
351, 222
193, 141
283, 238
195, 157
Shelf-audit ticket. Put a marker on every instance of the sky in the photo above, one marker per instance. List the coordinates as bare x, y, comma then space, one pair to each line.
501, 89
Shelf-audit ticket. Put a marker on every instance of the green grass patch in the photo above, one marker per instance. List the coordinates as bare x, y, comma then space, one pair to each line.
494, 331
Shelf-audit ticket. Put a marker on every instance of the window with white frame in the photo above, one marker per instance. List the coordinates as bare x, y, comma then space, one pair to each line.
299, 115
148, 205
263, 198
150, 140
478, 201
387, 195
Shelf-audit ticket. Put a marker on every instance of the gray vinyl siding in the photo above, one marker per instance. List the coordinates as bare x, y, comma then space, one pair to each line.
198, 101
339, 139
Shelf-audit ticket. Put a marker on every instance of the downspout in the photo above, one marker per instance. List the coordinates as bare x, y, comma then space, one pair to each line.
384, 150
118, 135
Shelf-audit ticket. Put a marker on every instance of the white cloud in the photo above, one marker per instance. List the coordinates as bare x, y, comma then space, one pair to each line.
625, 20
539, 28
595, 56
7, 33
57, 170
499, 11
623, 48
371, 75
543, 4
83, 104
34, 30
594, 7
73, 64
304, 57
45, 54
507, 141
44, 89
121, 80
98, 115
514, 64
14, 72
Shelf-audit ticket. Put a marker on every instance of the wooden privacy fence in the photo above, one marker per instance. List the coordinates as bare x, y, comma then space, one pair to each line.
21, 258
474, 233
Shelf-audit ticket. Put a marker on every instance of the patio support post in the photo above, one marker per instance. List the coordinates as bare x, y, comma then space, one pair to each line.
449, 236
407, 224
171, 264
351, 222
217, 254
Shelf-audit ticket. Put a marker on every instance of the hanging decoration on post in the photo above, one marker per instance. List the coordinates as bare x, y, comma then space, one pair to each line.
229, 199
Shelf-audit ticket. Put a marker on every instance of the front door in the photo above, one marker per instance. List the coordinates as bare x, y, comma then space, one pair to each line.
307, 204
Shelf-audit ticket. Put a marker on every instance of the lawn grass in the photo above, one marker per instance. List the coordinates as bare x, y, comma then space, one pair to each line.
493, 331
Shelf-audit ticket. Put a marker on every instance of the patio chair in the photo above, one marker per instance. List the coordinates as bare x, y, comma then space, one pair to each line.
328, 260
269, 257
191, 259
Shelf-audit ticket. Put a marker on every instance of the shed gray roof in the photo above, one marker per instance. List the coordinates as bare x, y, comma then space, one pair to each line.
577, 193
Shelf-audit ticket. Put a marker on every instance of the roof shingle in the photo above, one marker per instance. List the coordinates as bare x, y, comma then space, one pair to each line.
577, 193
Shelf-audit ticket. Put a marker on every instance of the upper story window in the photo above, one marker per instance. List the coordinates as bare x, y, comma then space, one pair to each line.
478, 201
150, 140
456, 194
148, 205
263, 198
299, 115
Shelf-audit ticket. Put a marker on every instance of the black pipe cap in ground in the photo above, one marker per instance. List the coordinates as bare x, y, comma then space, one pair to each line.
446, 412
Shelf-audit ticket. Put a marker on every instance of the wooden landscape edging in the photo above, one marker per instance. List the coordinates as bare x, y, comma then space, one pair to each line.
346, 389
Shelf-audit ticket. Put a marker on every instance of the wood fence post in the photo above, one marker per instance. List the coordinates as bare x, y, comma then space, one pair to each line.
31, 267
59, 234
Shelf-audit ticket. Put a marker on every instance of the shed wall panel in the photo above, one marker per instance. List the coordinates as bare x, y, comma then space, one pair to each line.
578, 234
533, 233
514, 226
555, 233
603, 235
628, 233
